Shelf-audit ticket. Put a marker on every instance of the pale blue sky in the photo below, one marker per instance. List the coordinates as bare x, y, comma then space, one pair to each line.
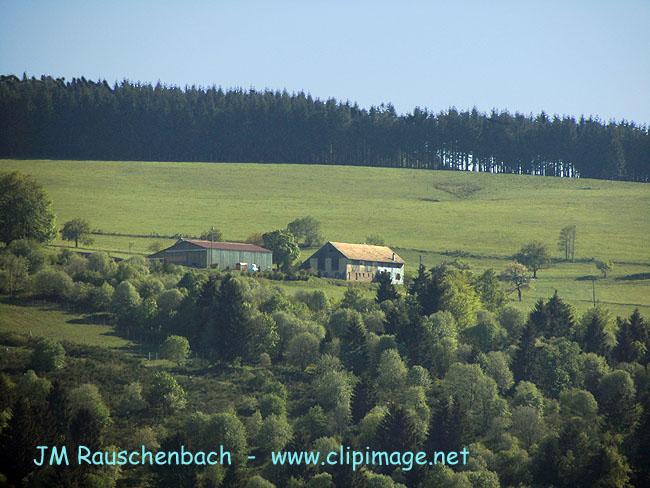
567, 57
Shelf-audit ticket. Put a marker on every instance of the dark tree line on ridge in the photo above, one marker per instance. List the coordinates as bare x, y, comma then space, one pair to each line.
82, 119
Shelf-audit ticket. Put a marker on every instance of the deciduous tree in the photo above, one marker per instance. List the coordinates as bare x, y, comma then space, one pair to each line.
307, 229
517, 275
604, 266
13, 273
303, 349
166, 393
77, 230
213, 235
175, 348
284, 247
48, 355
375, 240
25, 210
567, 242
534, 256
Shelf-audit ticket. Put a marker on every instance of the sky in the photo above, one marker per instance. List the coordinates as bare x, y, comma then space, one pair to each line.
566, 57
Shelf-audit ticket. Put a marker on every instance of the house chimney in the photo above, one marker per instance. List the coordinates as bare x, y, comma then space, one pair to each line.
393, 256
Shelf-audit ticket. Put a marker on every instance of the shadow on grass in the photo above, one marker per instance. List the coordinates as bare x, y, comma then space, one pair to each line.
634, 277
587, 278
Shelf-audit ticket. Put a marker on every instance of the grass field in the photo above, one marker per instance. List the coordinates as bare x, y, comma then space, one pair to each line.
38, 319
419, 212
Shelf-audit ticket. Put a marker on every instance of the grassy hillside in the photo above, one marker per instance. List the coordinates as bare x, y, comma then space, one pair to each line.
422, 213
38, 319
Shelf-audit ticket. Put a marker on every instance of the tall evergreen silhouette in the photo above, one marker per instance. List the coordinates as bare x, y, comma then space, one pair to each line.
83, 119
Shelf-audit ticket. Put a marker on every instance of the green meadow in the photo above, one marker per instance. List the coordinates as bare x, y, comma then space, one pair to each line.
418, 212
40, 319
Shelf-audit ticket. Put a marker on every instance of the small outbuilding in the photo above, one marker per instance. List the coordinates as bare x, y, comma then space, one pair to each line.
356, 262
221, 255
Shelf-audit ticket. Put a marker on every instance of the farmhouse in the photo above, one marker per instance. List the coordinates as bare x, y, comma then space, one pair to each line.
356, 262
222, 255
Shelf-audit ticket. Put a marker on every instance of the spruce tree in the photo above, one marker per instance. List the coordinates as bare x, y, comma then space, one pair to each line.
57, 402
86, 430
397, 431
28, 427
364, 398
640, 330
386, 289
177, 475
595, 338
560, 318
231, 321
418, 285
526, 355
354, 345
450, 427
627, 350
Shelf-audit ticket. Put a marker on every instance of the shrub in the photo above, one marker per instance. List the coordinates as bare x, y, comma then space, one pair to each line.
175, 348
50, 283
48, 355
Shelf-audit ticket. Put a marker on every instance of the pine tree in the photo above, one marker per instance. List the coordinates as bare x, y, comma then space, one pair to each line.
386, 289
177, 475
364, 398
86, 430
396, 317
209, 294
57, 402
28, 427
526, 355
418, 285
231, 321
596, 338
428, 289
624, 349
354, 345
560, 318
640, 330
450, 428
397, 432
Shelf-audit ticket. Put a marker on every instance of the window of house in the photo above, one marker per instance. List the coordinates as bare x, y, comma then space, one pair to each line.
335, 264
321, 264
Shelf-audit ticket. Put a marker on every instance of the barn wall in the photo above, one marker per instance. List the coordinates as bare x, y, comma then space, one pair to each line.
228, 259
196, 258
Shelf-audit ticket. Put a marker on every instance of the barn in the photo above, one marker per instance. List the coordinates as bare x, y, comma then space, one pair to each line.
356, 262
221, 255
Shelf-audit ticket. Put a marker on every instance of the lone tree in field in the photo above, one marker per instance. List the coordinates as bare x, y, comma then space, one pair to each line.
77, 230
284, 247
604, 266
175, 348
375, 240
534, 256
517, 275
256, 239
155, 246
213, 235
25, 210
567, 242
308, 229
